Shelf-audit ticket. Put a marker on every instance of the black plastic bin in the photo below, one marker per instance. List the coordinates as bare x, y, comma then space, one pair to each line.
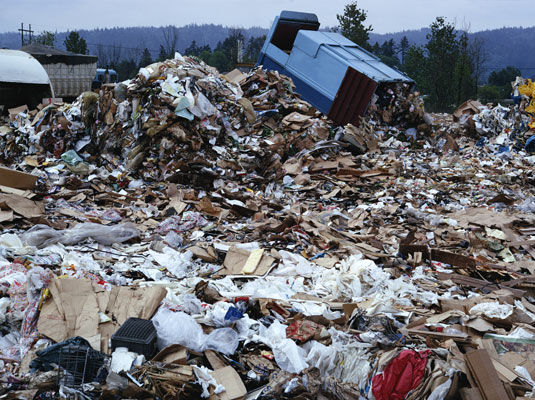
137, 335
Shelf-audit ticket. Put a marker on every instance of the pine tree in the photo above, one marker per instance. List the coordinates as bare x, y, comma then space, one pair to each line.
351, 25
163, 54
403, 48
47, 38
192, 50
75, 43
146, 58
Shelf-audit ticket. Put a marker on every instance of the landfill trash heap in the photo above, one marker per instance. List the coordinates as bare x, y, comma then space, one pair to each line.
188, 234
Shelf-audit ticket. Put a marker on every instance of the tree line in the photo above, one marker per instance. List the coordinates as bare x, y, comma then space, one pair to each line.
447, 69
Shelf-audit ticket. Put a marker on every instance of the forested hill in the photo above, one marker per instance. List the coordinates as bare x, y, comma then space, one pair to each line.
134, 40
505, 46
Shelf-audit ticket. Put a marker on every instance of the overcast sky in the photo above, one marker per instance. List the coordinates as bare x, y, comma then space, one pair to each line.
384, 15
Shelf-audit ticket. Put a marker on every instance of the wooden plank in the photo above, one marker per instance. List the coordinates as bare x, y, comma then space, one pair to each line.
488, 381
478, 283
526, 280
470, 394
438, 255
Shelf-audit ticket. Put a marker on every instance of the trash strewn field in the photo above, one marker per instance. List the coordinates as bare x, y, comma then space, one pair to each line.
189, 234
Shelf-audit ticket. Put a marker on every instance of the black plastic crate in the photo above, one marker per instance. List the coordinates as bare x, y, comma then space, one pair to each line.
137, 335
79, 365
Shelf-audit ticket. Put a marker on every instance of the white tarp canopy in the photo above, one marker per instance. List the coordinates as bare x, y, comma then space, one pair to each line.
20, 67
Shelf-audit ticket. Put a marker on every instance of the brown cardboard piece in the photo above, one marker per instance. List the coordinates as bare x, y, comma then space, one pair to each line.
13, 112
215, 360
172, 354
469, 107
204, 251
236, 76
229, 378
6, 216
16, 179
73, 309
22, 206
236, 259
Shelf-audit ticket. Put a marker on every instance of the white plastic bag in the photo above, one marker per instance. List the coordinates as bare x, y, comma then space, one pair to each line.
177, 328
289, 356
5, 302
223, 340
180, 328
176, 262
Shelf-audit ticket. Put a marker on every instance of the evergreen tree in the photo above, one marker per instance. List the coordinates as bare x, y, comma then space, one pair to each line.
75, 43
444, 68
204, 48
126, 69
376, 49
47, 38
415, 66
442, 53
403, 48
351, 25
463, 71
162, 56
389, 48
254, 46
146, 58
504, 76
192, 50
231, 47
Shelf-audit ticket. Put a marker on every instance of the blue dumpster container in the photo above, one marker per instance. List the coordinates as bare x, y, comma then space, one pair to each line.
331, 72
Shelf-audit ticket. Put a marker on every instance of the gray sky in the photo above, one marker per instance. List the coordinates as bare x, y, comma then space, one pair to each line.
384, 15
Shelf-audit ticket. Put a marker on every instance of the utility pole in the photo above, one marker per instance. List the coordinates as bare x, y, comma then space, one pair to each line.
22, 30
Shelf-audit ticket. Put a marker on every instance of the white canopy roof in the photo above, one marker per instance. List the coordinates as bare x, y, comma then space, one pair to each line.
20, 67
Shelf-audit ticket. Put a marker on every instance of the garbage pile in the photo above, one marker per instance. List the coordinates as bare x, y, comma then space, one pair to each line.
191, 235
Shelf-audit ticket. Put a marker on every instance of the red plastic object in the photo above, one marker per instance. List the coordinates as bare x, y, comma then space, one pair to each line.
403, 374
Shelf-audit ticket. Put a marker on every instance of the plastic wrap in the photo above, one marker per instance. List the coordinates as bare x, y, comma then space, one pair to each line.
190, 334
43, 235
223, 340
289, 356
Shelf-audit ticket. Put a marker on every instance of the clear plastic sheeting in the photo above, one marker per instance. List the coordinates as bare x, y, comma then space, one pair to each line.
43, 236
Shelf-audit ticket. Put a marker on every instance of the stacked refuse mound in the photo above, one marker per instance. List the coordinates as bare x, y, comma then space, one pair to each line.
176, 116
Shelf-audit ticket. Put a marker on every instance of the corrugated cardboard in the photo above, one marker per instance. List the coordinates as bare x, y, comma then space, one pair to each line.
237, 258
73, 309
228, 377
16, 179
470, 394
172, 354
22, 206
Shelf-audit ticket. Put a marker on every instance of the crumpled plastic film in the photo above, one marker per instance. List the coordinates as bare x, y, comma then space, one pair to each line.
43, 236
190, 334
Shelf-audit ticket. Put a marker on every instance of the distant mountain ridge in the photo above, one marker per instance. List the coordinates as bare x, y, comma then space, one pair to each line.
505, 46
